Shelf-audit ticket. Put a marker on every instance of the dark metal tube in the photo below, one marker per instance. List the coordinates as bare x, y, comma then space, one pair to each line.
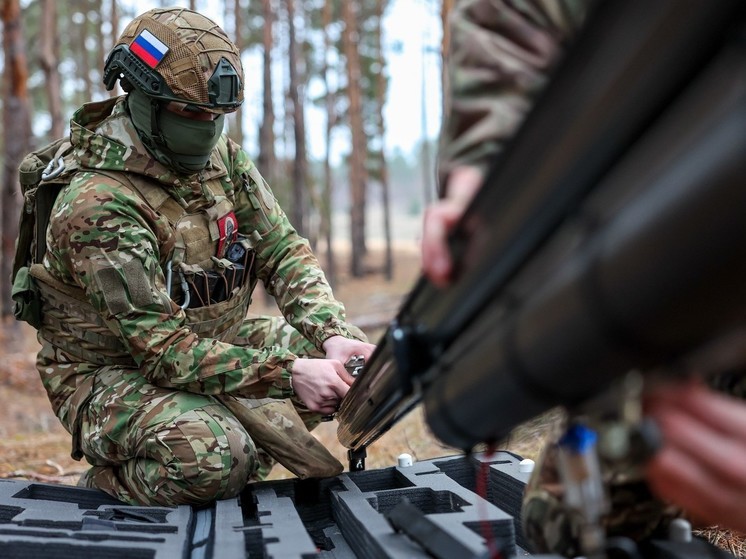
661, 273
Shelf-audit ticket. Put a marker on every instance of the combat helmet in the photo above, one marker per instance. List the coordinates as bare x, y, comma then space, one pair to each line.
176, 54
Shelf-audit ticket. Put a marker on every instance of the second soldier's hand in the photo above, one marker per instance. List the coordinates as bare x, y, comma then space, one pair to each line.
320, 383
703, 452
440, 219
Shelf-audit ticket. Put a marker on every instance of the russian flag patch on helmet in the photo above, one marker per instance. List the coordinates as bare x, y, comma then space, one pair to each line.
149, 48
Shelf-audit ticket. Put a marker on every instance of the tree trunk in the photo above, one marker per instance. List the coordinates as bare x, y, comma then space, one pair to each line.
114, 18
327, 229
84, 62
237, 129
445, 12
357, 156
17, 127
49, 59
98, 7
300, 180
388, 267
267, 160
428, 169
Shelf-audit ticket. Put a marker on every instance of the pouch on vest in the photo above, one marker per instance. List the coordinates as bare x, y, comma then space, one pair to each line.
25, 295
42, 174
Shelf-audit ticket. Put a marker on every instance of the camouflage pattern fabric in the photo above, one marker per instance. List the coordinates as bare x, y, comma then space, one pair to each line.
153, 445
501, 52
281, 428
552, 528
111, 246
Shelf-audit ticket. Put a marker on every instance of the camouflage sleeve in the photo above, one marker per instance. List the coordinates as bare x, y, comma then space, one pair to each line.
499, 57
105, 239
286, 265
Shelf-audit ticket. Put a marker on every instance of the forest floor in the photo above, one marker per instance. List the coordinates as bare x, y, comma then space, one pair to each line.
33, 444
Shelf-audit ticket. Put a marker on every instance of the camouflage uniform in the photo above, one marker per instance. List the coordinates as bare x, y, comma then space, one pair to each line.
632, 511
501, 54
168, 404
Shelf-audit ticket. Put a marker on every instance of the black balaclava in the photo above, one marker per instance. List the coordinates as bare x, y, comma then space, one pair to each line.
180, 143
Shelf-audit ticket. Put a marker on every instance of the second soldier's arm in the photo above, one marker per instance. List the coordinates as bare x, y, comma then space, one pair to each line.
499, 57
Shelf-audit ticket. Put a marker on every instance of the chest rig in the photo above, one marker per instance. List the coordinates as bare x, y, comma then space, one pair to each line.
210, 261
208, 274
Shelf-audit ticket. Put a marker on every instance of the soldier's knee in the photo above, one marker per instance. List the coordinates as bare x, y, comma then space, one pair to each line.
212, 457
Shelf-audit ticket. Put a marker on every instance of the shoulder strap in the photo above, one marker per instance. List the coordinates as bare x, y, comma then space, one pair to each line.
223, 151
155, 196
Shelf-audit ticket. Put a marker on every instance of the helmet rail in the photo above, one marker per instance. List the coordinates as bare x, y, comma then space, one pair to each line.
223, 86
176, 54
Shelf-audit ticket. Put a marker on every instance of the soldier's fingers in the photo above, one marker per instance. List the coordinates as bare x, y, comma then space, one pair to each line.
324, 405
346, 377
341, 386
707, 498
712, 449
342, 376
462, 184
327, 409
436, 261
366, 350
721, 412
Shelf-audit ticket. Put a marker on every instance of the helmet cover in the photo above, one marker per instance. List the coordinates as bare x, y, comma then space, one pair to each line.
176, 54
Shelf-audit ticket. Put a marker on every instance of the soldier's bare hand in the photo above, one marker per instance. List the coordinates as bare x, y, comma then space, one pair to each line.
701, 464
343, 349
440, 219
320, 383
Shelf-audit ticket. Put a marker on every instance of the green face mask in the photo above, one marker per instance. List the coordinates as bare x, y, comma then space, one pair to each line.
186, 144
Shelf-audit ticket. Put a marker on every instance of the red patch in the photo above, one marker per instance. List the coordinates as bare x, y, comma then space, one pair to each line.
228, 229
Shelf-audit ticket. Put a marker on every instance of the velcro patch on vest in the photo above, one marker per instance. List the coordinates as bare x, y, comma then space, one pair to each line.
115, 283
262, 188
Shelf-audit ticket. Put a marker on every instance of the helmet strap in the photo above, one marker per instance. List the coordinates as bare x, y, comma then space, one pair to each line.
156, 141
156, 135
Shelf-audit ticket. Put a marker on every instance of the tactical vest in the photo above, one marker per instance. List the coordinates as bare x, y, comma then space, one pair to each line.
70, 322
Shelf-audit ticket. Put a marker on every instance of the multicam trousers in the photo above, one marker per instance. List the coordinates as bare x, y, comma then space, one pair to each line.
152, 445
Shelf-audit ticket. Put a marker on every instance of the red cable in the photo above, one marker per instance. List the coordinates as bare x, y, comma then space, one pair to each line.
481, 486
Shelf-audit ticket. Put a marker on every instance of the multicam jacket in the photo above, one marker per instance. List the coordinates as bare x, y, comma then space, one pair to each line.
500, 55
111, 236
